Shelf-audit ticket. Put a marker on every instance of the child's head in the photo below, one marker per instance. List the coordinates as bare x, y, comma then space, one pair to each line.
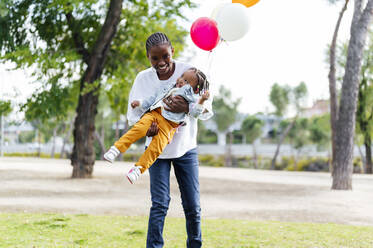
159, 51
196, 79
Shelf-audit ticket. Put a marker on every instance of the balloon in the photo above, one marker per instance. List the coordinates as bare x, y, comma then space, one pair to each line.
216, 10
247, 3
233, 22
204, 33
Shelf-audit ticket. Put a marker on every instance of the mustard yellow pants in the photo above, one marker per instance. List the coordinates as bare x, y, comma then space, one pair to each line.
166, 132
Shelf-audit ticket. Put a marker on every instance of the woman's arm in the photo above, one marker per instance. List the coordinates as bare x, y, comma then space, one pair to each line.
176, 104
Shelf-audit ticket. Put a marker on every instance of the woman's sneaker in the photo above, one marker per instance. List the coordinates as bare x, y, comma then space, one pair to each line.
133, 174
111, 154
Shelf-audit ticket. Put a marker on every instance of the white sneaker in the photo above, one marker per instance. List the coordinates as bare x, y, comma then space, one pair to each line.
133, 174
111, 154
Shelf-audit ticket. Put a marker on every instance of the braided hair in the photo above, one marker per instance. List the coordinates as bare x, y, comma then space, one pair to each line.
157, 39
202, 84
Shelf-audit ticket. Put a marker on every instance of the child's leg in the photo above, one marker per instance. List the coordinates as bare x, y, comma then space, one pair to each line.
136, 132
158, 143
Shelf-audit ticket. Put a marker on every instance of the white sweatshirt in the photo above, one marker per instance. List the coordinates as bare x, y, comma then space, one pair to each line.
185, 138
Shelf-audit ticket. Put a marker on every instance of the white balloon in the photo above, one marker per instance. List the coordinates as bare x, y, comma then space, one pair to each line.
216, 10
233, 21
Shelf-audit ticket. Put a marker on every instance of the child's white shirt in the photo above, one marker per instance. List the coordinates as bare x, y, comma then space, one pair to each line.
146, 83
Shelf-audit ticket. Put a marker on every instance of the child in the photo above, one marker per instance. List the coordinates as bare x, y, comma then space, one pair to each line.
190, 86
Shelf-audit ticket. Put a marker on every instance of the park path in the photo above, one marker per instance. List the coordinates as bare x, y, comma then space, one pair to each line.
44, 185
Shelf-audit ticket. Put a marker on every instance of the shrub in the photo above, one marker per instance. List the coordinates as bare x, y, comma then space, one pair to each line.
211, 160
131, 157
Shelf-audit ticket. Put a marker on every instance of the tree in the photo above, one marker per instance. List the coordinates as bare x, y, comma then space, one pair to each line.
281, 97
204, 135
365, 98
5, 109
48, 110
252, 129
343, 119
332, 77
89, 43
320, 132
299, 136
225, 115
364, 113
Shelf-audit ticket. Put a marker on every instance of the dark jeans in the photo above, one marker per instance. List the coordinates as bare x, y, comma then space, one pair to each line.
186, 172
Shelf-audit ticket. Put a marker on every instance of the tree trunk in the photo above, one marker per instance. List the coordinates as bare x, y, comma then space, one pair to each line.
255, 156
282, 138
368, 154
39, 143
330, 162
332, 81
83, 156
228, 153
342, 166
221, 138
54, 141
101, 143
65, 139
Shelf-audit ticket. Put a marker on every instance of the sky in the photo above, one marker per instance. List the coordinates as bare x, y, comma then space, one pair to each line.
286, 43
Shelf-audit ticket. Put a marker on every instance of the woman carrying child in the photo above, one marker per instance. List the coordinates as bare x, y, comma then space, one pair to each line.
181, 151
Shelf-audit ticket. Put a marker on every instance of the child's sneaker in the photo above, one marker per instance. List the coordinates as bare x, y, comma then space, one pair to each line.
111, 154
133, 174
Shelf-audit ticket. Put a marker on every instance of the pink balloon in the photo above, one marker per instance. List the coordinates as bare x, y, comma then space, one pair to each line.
204, 33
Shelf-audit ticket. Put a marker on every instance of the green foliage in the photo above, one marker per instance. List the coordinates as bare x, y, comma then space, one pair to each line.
131, 157
26, 137
364, 113
211, 160
320, 131
5, 108
279, 97
32, 154
317, 164
299, 96
252, 128
53, 103
56, 39
225, 109
299, 133
205, 136
282, 96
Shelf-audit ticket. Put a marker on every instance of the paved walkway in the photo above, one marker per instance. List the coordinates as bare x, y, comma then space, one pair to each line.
44, 185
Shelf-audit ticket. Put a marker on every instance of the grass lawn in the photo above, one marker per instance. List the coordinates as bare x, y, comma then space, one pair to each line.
57, 230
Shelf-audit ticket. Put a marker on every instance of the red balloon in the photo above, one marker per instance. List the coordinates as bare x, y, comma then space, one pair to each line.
204, 33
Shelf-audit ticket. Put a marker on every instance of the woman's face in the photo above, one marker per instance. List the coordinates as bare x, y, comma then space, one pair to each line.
161, 59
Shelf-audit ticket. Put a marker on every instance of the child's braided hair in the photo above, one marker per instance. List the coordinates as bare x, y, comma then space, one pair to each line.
203, 84
157, 39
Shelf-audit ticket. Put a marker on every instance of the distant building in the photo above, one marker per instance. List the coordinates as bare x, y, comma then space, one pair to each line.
271, 122
319, 107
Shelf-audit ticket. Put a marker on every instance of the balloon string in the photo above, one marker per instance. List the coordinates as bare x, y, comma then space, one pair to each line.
209, 63
208, 70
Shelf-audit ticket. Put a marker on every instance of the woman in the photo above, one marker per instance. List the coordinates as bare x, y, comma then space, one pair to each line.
182, 151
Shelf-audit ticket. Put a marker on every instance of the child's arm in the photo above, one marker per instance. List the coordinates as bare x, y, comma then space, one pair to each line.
196, 109
205, 96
